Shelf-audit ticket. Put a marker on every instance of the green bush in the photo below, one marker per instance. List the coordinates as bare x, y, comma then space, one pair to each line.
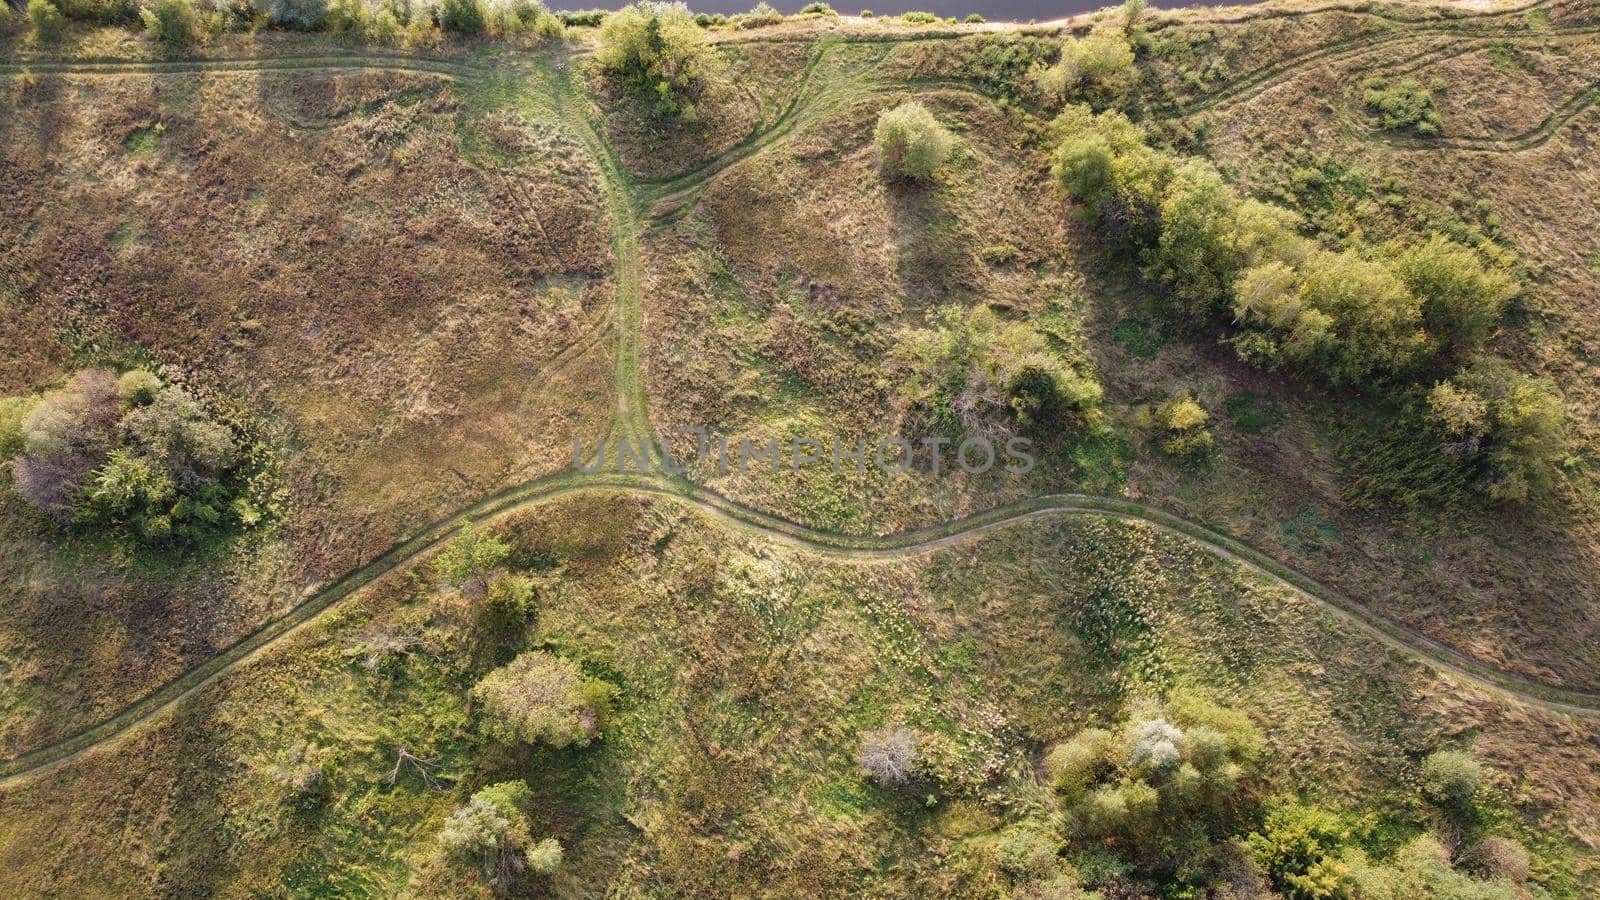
919, 18
1299, 848
762, 15
492, 834
818, 9
541, 699
469, 560
48, 22
1097, 67
911, 142
137, 387
13, 412
1402, 105
1420, 868
658, 50
1451, 779
1183, 427
510, 603
102, 12
1512, 426
590, 18
972, 372
1462, 301
296, 15
974, 19
174, 25
463, 17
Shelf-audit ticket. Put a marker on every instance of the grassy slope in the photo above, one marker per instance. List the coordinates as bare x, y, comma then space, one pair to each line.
748, 672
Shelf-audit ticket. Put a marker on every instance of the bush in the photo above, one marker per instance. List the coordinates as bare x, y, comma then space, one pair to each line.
1511, 425
176, 434
463, 17
1461, 300
889, 756
101, 12
1080, 762
762, 15
1299, 847
296, 15
590, 18
542, 699
1451, 778
174, 25
818, 9
973, 372
911, 142
919, 18
974, 19
1028, 854
1403, 105
1097, 67
13, 412
544, 858
48, 22
470, 559
65, 436
137, 387
509, 605
492, 834
1420, 868
659, 51
1183, 427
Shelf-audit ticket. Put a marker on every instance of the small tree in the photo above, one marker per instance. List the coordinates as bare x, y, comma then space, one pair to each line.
1461, 300
911, 142
467, 563
542, 699
1182, 421
174, 25
296, 15
65, 436
48, 22
889, 755
463, 17
491, 832
137, 387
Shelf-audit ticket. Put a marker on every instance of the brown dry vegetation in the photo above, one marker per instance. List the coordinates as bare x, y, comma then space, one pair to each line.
382, 272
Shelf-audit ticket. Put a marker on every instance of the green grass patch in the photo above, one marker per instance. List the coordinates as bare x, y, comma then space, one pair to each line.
1138, 337
1254, 413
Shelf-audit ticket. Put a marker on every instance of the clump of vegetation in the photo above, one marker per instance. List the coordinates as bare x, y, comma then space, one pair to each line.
973, 372
1182, 423
658, 50
1165, 784
819, 9
463, 17
890, 756
1404, 104
974, 19
295, 15
47, 20
918, 17
539, 698
760, 16
471, 559
1299, 847
1511, 426
304, 772
492, 834
1451, 779
911, 142
1097, 68
1462, 300
173, 24
132, 454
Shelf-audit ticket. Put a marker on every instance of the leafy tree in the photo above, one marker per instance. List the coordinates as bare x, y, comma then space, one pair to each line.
1375, 323
1196, 255
296, 15
508, 606
13, 412
1512, 424
541, 698
911, 142
469, 560
1461, 300
174, 25
137, 387
48, 22
491, 832
175, 433
657, 49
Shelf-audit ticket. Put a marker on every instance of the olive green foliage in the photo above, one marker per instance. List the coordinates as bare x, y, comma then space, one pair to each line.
469, 560
65, 434
911, 142
819, 9
1403, 104
1164, 784
918, 17
101, 12
659, 51
48, 22
523, 17
510, 603
539, 698
1462, 300
303, 772
463, 17
13, 412
1097, 68
1420, 868
1132, 14
1182, 423
1512, 426
1451, 779
137, 387
760, 16
974, 372
173, 24
296, 15
1299, 847
492, 834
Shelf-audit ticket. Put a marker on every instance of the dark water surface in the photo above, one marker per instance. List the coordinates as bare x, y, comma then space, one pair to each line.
994, 10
